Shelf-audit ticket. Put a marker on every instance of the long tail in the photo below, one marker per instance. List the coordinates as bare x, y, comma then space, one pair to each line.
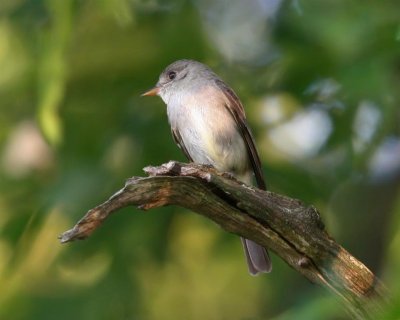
257, 257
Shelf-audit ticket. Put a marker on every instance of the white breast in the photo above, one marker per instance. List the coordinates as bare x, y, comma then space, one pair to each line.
208, 130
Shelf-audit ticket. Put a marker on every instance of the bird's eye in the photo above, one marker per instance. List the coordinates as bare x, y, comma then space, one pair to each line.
171, 75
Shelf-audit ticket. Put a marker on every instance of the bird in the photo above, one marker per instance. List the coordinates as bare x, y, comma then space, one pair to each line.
208, 123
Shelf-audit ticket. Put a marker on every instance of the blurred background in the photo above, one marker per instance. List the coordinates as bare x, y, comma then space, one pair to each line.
320, 85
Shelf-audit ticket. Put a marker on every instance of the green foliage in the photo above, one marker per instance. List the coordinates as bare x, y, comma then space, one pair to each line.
319, 81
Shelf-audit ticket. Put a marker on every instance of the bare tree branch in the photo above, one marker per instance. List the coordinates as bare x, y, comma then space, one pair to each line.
292, 230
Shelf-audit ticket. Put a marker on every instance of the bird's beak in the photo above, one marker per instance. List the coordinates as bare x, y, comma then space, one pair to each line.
152, 92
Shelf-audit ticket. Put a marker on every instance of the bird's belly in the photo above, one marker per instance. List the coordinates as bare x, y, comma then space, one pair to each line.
212, 137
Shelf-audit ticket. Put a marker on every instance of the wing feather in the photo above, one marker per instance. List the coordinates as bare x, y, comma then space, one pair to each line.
179, 141
235, 107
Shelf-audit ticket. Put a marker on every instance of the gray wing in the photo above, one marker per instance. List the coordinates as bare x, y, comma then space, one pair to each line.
178, 140
236, 109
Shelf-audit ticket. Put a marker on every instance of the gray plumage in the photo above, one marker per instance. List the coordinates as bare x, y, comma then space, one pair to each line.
208, 123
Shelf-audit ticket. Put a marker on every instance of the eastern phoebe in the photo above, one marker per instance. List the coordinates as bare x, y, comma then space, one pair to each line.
209, 124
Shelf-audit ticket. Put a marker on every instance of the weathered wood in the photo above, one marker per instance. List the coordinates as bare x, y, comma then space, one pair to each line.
295, 232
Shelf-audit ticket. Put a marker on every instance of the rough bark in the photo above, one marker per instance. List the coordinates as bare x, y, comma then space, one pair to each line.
294, 231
